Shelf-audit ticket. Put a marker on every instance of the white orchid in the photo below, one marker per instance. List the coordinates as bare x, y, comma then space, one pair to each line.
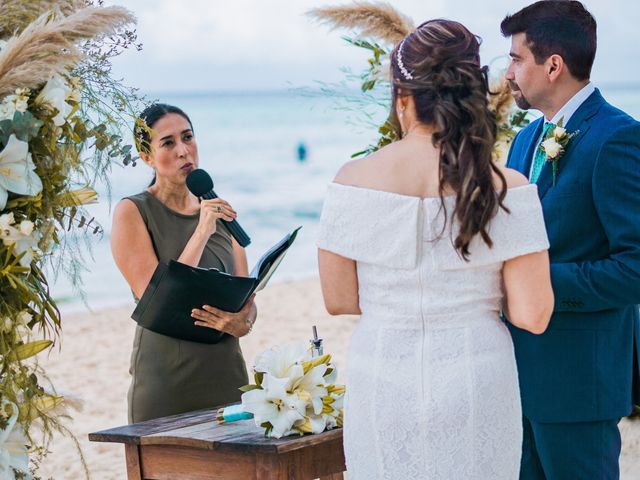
17, 171
272, 403
55, 94
14, 454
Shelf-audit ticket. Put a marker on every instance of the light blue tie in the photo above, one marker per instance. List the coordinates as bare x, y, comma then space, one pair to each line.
540, 157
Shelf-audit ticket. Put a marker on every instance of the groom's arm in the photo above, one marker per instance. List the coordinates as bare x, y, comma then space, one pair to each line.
612, 282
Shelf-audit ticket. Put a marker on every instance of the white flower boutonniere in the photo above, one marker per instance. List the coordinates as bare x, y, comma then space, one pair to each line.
555, 144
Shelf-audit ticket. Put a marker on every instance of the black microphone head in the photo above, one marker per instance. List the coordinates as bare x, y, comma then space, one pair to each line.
199, 182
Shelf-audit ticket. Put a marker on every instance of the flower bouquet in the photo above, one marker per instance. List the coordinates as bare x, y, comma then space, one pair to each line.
294, 392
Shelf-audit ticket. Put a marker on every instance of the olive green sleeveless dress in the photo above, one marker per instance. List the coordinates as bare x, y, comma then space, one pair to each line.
171, 376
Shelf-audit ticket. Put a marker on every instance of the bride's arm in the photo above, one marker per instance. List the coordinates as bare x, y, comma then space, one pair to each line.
528, 302
339, 280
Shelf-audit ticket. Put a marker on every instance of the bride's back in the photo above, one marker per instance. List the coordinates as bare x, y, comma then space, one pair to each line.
411, 168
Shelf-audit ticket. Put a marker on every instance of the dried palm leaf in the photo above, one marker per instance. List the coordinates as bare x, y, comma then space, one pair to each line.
48, 46
15, 15
376, 20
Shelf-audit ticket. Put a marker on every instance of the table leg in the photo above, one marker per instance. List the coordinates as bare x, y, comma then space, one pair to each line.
132, 454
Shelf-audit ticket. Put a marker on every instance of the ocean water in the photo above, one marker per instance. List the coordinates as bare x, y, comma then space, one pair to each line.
248, 143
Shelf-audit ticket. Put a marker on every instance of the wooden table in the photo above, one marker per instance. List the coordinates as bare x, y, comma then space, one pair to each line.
193, 446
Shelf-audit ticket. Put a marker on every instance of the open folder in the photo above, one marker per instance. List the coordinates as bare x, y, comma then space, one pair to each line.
175, 289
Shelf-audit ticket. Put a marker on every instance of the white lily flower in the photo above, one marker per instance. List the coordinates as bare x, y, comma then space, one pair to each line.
312, 385
14, 455
332, 377
280, 362
311, 424
55, 94
275, 405
17, 171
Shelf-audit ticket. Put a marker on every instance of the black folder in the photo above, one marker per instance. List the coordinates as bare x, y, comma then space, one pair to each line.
175, 289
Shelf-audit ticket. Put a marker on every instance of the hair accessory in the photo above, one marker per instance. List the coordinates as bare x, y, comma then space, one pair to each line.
404, 71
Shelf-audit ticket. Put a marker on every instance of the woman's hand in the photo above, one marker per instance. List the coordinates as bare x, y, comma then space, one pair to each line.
235, 324
210, 212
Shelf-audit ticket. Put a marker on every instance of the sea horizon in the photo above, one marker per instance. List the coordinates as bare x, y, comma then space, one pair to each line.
248, 141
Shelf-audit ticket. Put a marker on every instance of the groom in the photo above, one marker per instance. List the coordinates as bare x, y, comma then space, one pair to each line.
578, 378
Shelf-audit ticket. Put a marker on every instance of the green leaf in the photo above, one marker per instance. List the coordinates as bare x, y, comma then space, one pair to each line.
6, 129
248, 388
26, 126
29, 350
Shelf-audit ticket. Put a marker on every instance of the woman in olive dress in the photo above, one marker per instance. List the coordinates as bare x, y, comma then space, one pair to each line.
167, 222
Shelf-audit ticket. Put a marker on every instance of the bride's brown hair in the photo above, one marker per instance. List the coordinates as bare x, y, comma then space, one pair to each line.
439, 66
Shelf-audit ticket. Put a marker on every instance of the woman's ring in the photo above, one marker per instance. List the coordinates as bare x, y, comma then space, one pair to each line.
218, 208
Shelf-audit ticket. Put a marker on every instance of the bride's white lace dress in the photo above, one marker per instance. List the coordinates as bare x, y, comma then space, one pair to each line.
432, 386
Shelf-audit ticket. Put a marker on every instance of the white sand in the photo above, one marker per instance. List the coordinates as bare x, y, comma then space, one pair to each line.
94, 361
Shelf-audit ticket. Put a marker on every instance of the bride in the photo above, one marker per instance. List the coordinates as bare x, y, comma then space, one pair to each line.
428, 240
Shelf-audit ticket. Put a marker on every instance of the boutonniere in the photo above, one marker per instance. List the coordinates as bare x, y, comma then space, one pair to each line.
555, 144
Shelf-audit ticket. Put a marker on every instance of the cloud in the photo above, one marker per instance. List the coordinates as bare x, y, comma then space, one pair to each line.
257, 44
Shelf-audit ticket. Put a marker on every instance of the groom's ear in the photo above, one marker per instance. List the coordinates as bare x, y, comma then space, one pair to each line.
555, 66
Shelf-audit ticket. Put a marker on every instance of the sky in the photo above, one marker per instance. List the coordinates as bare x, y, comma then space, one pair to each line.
262, 45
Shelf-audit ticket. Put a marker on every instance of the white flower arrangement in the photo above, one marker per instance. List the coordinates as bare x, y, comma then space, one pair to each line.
58, 135
17, 171
294, 393
555, 144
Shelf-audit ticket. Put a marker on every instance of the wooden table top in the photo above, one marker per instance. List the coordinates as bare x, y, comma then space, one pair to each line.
200, 430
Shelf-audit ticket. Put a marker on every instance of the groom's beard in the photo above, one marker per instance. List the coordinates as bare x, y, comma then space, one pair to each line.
518, 96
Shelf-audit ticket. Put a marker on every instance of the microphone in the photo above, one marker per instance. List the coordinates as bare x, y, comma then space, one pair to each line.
200, 184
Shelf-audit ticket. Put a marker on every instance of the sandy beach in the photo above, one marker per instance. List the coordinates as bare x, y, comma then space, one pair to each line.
93, 363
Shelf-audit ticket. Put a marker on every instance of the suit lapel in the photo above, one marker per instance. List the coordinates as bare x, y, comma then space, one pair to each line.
580, 121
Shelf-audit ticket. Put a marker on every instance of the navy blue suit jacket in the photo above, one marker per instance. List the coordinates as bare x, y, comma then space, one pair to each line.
583, 368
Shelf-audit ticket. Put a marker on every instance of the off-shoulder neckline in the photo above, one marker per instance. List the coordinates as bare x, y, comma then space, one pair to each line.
423, 199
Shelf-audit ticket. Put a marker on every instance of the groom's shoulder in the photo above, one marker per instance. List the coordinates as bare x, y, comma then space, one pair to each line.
611, 120
612, 129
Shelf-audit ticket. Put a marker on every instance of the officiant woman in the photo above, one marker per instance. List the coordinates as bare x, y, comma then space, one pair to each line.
167, 222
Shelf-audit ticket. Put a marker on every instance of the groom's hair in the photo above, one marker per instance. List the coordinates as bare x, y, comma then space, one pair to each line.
557, 27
